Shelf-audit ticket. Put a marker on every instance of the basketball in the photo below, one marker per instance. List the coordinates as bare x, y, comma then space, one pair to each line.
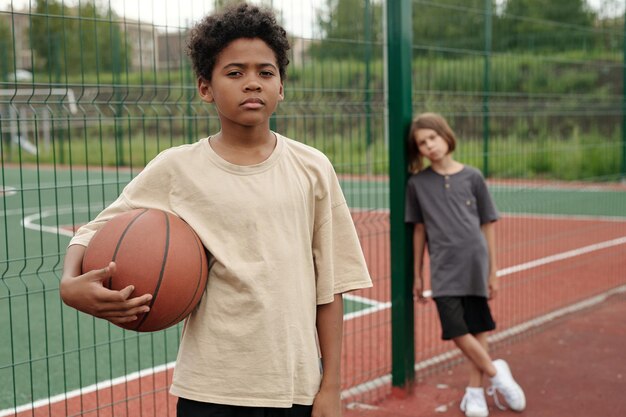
158, 253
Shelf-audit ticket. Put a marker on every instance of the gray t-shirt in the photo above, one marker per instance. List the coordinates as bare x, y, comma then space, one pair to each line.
452, 208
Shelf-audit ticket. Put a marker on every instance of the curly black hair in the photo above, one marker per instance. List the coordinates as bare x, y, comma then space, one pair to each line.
214, 32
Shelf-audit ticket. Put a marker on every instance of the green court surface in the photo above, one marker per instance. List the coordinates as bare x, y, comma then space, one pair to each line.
538, 199
48, 349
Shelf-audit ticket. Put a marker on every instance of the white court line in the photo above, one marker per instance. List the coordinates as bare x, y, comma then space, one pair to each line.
576, 217
32, 210
374, 306
86, 390
519, 215
29, 222
351, 392
7, 191
497, 337
562, 256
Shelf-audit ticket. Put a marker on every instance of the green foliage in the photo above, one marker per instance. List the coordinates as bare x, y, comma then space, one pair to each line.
542, 123
519, 154
341, 77
591, 156
76, 40
554, 25
6, 50
450, 23
349, 28
563, 73
546, 25
538, 127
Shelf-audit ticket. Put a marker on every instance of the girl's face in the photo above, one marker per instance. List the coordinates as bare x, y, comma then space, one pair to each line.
431, 144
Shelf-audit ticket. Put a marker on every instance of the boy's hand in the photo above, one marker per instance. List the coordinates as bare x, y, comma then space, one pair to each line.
87, 293
494, 285
327, 403
418, 289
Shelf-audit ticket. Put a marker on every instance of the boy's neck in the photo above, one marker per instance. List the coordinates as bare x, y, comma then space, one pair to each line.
244, 148
446, 166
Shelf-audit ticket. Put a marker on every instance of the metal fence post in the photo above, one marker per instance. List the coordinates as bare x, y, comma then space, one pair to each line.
399, 61
623, 167
486, 87
118, 99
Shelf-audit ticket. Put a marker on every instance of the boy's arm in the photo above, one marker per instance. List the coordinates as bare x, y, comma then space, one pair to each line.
419, 243
86, 293
330, 332
488, 230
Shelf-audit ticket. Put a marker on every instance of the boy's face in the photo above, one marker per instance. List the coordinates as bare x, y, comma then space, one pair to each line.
246, 85
431, 144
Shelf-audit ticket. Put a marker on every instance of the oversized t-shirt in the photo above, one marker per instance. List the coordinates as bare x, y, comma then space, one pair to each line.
452, 209
281, 241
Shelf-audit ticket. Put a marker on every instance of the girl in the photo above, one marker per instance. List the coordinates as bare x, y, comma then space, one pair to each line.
452, 212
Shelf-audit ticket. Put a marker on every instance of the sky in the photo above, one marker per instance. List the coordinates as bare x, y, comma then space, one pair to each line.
298, 16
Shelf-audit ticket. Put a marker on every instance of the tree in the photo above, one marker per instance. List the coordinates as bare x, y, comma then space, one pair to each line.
611, 24
71, 40
48, 37
6, 49
101, 40
450, 24
345, 33
552, 25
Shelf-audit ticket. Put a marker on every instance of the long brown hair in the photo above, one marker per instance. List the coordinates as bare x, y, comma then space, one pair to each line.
432, 121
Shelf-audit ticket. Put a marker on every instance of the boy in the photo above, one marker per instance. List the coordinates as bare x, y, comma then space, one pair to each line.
272, 216
453, 215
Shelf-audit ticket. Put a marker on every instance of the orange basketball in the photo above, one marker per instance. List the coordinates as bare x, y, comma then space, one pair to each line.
159, 254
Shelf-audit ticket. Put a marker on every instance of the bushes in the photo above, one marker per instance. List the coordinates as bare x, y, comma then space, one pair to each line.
556, 116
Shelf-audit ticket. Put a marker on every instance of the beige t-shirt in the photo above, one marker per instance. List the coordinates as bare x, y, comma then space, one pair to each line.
281, 240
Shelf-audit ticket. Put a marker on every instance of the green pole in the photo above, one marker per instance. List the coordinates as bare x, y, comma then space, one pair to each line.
4, 60
5, 139
486, 90
273, 126
623, 173
399, 57
119, 106
55, 54
273, 122
368, 76
189, 87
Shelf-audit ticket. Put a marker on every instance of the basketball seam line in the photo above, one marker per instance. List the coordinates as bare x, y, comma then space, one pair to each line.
184, 313
119, 241
156, 289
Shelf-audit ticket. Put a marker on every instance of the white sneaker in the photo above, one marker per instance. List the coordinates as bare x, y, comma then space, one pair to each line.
474, 403
504, 383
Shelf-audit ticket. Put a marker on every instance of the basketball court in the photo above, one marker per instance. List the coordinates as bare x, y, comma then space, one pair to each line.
60, 362
571, 366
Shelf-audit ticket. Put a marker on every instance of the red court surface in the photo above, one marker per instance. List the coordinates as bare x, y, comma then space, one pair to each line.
572, 367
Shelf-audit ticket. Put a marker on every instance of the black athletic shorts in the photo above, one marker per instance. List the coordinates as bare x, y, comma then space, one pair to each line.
190, 408
462, 315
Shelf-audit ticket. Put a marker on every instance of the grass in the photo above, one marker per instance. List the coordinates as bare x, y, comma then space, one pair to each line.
553, 116
576, 157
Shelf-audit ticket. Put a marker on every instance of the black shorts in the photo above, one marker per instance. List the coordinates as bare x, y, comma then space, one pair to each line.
190, 408
462, 315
